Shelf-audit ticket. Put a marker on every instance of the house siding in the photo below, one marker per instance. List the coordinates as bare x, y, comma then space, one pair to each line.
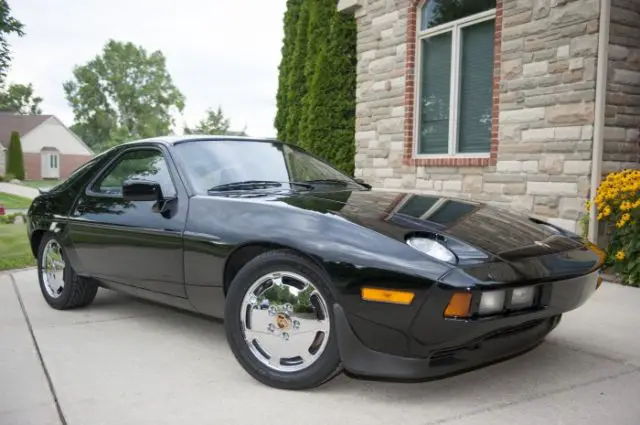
622, 116
543, 120
53, 134
3, 160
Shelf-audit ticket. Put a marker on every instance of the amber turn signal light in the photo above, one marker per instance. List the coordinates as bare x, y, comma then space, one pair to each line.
459, 305
387, 296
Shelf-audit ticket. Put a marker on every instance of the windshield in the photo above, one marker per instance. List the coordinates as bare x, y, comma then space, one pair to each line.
213, 163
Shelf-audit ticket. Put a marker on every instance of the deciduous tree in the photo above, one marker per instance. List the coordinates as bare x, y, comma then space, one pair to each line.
8, 25
123, 93
20, 98
214, 123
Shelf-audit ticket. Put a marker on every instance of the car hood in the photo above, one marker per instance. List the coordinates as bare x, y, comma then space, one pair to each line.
467, 226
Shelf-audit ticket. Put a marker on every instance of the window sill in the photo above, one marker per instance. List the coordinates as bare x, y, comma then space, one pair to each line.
481, 160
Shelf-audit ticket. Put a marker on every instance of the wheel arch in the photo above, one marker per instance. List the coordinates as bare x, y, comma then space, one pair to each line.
36, 238
247, 252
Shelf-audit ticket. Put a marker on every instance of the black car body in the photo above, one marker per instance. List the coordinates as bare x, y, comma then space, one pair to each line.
186, 247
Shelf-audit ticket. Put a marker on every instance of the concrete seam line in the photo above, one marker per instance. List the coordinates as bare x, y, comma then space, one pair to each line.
533, 397
52, 389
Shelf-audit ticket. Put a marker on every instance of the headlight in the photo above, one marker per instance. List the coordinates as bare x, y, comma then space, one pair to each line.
491, 302
522, 297
432, 248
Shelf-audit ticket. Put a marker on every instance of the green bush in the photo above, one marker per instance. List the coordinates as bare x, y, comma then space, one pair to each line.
10, 218
7, 177
315, 101
15, 161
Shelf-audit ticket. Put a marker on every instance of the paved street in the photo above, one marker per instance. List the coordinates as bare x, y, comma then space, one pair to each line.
122, 361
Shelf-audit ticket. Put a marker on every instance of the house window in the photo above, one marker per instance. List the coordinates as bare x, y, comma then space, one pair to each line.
455, 78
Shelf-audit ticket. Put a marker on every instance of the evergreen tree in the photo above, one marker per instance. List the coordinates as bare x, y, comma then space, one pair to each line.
320, 15
297, 85
15, 162
330, 129
288, 46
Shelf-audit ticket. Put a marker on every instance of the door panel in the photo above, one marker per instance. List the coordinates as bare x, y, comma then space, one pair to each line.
49, 165
132, 242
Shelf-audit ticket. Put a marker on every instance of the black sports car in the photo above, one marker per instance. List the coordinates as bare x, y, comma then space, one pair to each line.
313, 272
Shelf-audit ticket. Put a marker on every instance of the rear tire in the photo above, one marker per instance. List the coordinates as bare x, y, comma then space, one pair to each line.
318, 362
61, 288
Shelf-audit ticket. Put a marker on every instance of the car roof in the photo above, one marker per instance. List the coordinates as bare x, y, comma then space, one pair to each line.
172, 140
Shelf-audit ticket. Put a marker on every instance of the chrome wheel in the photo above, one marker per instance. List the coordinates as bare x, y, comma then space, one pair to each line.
285, 321
52, 270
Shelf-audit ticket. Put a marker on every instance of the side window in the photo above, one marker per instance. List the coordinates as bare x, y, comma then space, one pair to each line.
142, 164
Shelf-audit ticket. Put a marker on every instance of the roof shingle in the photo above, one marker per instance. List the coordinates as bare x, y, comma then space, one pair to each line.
21, 123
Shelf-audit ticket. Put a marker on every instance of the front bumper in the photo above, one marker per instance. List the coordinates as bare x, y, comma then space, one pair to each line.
439, 347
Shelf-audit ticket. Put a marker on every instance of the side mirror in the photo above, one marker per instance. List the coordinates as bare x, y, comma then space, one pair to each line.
141, 190
363, 183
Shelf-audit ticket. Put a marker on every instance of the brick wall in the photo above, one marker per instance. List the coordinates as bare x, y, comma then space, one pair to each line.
32, 166
544, 115
68, 163
622, 116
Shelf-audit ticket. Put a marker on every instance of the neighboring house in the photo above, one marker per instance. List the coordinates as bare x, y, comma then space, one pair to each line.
502, 103
50, 149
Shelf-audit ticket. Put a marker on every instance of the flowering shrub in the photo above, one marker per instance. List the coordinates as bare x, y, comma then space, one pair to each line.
618, 204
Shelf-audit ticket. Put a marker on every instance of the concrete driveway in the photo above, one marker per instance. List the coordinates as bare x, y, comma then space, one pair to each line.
122, 361
18, 190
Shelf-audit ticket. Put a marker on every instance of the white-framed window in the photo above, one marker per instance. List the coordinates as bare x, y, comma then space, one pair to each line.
454, 78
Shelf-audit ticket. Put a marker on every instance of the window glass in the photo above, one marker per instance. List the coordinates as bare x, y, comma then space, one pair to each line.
450, 212
435, 94
438, 12
416, 206
217, 162
455, 77
476, 88
142, 164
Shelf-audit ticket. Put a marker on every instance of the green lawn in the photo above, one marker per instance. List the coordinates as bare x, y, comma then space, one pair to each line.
15, 251
41, 183
13, 202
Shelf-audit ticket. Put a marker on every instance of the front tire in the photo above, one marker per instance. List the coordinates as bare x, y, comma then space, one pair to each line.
279, 321
61, 287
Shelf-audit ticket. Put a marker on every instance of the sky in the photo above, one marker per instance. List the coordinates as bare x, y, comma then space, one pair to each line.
219, 52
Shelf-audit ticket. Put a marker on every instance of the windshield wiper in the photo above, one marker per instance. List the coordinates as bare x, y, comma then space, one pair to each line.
254, 184
327, 181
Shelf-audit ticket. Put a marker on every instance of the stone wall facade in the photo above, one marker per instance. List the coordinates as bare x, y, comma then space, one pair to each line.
622, 116
545, 92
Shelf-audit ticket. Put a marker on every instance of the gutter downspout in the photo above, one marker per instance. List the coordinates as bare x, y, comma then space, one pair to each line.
600, 105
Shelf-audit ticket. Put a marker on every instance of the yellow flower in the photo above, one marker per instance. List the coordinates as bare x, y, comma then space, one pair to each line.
620, 255
607, 211
625, 206
626, 217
